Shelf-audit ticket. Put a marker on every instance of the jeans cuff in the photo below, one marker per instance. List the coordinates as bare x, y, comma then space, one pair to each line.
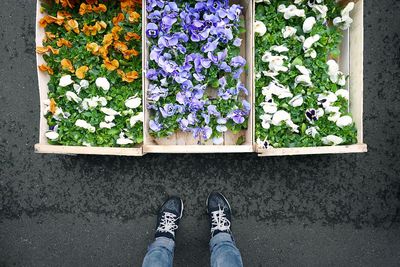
219, 238
164, 242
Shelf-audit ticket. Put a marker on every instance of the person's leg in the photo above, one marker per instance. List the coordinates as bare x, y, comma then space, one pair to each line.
161, 252
224, 252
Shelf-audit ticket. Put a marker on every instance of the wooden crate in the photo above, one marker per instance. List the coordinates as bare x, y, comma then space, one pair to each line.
43, 146
181, 142
351, 63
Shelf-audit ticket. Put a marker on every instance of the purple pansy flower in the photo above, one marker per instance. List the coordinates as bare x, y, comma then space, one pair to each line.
152, 30
155, 126
237, 61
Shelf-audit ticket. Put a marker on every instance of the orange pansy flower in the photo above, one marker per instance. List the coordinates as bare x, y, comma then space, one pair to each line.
42, 50
63, 42
128, 53
52, 106
129, 76
46, 20
44, 67
93, 47
81, 72
120, 46
111, 65
84, 8
72, 25
132, 35
62, 14
50, 35
100, 8
133, 16
120, 17
67, 65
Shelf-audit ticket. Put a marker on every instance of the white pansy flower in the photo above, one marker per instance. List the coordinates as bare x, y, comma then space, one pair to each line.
84, 84
65, 81
327, 99
133, 102
344, 121
218, 140
275, 62
335, 75
298, 1
257, 75
109, 118
332, 140
283, 116
263, 144
103, 83
343, 93
122, 140
93, 102
260, 28
334, 111
52, 135
85, 125
279, 117
107, 125
310, 53
303, 70
87, 144
109, 111
59, 114
77, 88
304, 80
279, 48
296, 101
266, 119
308, 43
344, 21
134, 119
275, 88
269, 106
308, 24
270, 73
71, 96
288, 32
321, 10
313, 131
291, 11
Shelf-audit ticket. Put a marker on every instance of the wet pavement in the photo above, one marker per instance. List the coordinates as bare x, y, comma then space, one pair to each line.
336, 210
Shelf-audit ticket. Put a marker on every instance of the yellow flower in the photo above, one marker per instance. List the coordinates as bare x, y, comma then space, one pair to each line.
44, 67
67, 65
72, 25
111, 65
133, 16
63, 42
81, 72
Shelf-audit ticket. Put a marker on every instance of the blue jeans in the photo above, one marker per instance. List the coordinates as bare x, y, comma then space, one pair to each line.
224, 252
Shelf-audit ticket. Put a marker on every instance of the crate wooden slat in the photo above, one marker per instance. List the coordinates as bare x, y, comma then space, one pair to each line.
351, 62
182, 142
43, 146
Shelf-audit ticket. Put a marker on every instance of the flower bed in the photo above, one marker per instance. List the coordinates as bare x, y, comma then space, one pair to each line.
91, 61
302, 98
196, 92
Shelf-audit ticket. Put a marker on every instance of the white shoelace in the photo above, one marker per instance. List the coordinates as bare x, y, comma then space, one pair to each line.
219, 221
167, 224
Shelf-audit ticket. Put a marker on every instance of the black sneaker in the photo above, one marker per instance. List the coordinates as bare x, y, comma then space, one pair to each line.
219, 214
168, 217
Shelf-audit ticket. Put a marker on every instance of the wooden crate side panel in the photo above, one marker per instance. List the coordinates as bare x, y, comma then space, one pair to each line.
43, 78
356, 68
72, 150
358, 148
197, 149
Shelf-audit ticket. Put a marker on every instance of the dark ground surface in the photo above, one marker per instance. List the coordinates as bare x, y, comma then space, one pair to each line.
341, 210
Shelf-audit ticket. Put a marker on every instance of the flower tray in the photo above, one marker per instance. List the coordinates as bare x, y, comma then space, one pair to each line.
351, 63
